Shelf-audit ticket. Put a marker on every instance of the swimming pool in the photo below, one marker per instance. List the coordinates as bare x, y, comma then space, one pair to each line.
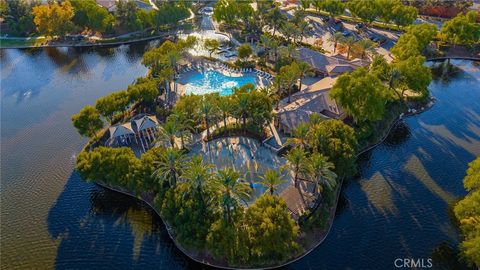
212, 81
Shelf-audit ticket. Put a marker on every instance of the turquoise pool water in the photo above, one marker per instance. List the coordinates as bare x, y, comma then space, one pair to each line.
212, 81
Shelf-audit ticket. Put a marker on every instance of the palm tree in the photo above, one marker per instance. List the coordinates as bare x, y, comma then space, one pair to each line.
394, 77
168, 132
303, 68
348, 42
365, 46
170, 166
296, 163
206, 107
289, 30
231, 190
183, 125
299, 137
275, 19
335, 38
315, 119
198, 176
224, 105
271, 179
243, 106
278, 84
320, 169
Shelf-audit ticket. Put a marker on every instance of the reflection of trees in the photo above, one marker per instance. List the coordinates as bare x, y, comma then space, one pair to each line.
446, 257
444, 71
105, 52
94, 227
69, 61
398, 135
136, 51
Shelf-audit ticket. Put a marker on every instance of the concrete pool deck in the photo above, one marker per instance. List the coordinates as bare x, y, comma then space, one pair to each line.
246, 156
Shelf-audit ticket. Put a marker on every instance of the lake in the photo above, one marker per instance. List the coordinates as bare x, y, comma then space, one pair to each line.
50, 218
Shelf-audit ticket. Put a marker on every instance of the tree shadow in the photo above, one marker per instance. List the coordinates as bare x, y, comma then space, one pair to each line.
97, 228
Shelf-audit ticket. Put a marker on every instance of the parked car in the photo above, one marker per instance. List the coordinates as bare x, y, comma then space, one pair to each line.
381, 40
325, 19
337, 21
359, 26
345, 33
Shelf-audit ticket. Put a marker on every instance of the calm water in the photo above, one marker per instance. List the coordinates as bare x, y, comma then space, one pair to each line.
215, 82
50, 218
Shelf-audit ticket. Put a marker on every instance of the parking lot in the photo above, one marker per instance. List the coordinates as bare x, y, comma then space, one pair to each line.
324, 29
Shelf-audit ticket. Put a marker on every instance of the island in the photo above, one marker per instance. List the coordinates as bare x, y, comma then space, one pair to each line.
242, 148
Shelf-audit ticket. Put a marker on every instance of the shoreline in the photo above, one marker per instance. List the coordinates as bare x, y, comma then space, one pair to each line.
322, 237
100, 44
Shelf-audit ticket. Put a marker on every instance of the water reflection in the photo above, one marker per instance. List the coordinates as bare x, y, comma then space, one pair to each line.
101, 229
398, 205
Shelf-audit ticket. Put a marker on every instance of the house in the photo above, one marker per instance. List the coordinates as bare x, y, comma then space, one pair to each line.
110, 5
312, 99
328, 65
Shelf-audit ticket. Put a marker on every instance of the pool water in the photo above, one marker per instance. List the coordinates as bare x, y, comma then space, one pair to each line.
212, 81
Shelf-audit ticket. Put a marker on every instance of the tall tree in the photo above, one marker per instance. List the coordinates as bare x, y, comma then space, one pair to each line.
361, 94
364, 47
337, 141
296, 158
170, 166
53, 19
366, 10
198, 177
413, 75
300, 136
116, 102
463, 29
321, 171
403, 15
126, 14
467, 212
19, 17
211, 45
271, 180
273, 232
335, 38
275, 19
91, 15
244, 51
88, 122
231, 191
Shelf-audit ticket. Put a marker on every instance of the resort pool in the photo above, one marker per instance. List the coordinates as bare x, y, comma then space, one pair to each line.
212, 81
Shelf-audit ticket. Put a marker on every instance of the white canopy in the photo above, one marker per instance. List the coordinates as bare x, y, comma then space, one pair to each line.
148, 121
121, 130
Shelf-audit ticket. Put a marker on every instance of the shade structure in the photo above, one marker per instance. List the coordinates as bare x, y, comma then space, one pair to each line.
146, 122
121, 130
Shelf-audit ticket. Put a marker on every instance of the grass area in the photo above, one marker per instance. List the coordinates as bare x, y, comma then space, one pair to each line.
6, 43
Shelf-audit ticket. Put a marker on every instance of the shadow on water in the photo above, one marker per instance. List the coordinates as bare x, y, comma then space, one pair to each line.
101, 229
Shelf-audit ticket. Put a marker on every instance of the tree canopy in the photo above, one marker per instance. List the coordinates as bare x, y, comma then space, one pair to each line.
414, 40
337, 141
91, 15
463, 29
361, 94
467, 212
53, 19
88, 122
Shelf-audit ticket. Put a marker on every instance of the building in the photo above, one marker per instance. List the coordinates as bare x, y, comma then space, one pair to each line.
328, 65
312, 99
